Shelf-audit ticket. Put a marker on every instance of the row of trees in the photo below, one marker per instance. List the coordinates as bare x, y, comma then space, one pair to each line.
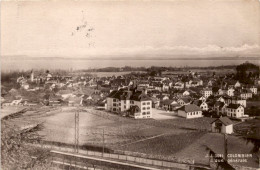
247, 73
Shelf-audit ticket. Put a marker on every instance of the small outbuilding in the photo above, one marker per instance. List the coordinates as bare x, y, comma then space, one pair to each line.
222, 125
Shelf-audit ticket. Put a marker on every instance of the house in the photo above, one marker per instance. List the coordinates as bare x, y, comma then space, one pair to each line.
222, 125
230, 92
182, 93
202, 104
222, 91
219, 107
26, 86
222, 99
184, 100
206, 92
155, 102
210, 83
237, 84
179, 85
169, 105
137, 103
190, 111
196, 82
253, 90
162, 97
245, 94
75, 100
237, 100
203, 99
235, 110
16, 102
101, 105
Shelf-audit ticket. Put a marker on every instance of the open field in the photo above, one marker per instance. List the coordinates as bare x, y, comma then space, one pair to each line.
7, 110
109, 74
175, 138
210, 71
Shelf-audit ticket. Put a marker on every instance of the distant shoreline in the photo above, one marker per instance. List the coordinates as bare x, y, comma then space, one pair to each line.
129, 58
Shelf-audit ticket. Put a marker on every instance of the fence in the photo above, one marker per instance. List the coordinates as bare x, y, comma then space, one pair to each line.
133, 159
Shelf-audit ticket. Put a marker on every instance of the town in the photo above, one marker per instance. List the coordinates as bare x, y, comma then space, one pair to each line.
191, 102
139, 94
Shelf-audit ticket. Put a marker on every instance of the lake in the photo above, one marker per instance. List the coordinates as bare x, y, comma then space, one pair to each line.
19, 64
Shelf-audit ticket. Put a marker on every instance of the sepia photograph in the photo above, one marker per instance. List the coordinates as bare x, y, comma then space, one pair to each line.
130, 84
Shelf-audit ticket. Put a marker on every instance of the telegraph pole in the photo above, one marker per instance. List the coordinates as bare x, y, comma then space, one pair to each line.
225, 147
77, 131
103, 143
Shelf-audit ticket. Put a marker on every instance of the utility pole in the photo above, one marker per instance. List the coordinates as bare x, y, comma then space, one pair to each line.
103, 143
225, 147
77, 131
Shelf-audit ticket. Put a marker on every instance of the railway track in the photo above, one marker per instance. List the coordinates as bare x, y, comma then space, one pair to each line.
70, 161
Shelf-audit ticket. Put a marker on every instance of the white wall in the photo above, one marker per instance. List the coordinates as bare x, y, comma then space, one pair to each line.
227, 129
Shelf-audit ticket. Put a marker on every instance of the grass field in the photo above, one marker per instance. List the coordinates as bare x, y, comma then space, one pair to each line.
174, 138
109, 74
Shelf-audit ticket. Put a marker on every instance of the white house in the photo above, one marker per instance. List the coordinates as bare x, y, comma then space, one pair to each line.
179, 85
184, 101
230, 92
206, 92
16, 102
222, 92
253, 89
237, 100
219, 107
237, 84
246, 94
203, 99
162, 97
190, 111
169, 104
202, 104
222, 125
136, 103
221, 99
235, 110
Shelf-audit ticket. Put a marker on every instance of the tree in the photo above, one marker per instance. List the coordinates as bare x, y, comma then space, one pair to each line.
246, 72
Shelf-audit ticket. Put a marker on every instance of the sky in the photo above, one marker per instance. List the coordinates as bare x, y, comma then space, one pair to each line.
130, 28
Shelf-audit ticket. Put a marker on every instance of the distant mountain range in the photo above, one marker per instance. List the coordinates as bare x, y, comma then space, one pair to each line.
163, 57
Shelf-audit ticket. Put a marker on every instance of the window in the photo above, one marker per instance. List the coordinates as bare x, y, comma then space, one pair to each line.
125, 102
143, 108
125, 107
114, 104
114, 100
144, 113
148, 103
144, 103
148, 113
148, 107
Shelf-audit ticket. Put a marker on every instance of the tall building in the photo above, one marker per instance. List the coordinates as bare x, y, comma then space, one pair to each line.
133, 102
32, 76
